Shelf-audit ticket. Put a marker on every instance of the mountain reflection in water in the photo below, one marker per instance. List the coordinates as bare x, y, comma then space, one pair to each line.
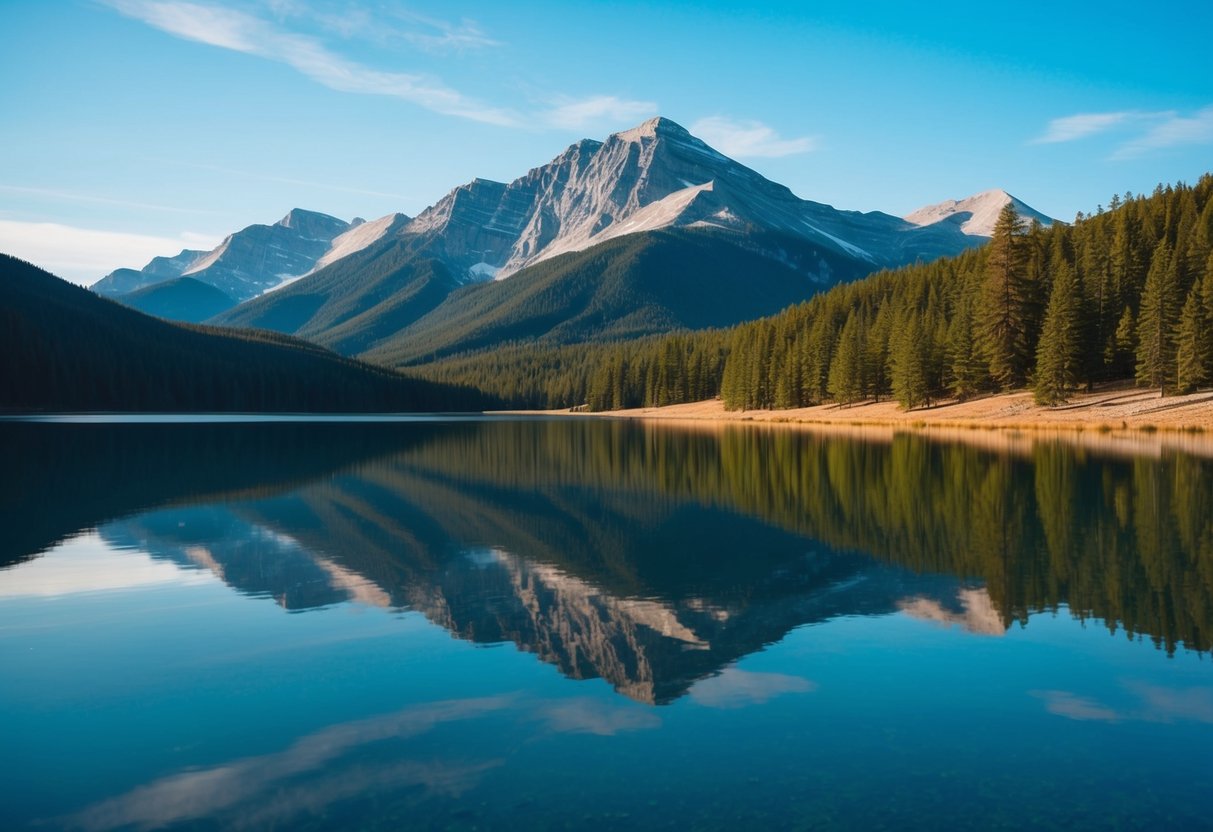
649, 556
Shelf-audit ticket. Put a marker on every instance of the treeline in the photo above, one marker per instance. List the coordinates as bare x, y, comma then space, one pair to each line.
63, 348
1128, 541
1122, 294
652, 371
1125, 293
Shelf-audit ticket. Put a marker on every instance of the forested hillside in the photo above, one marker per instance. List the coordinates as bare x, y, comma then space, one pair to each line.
1124, 293
628, 287
64, 348
183, 299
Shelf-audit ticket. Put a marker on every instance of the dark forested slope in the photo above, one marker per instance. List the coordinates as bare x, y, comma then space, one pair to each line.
183, 299
632, 286
64, 348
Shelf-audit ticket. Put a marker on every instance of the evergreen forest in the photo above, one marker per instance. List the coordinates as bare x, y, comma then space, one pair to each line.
63, 348
1122, 294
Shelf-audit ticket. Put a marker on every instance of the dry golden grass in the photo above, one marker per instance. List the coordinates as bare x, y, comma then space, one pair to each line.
1122, 419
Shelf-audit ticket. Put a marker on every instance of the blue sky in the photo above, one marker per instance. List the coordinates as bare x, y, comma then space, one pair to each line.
137, 127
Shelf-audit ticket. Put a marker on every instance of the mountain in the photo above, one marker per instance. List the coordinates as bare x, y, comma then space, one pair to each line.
182, 299
354, 303
159, 270
627, 287
975, 215
66, 349
656, 175
600, 197
361, 235
247, 263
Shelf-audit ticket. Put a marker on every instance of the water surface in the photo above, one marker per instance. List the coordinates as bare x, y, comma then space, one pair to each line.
567, 624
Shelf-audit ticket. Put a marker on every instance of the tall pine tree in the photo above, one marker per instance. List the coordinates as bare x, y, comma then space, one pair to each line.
1194, 347
1059, 355
1006, 302
1158, 321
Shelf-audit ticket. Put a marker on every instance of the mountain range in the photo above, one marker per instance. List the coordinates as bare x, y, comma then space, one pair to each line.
648, 231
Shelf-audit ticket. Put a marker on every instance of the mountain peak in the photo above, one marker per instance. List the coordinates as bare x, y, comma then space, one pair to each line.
976, 214
656, 126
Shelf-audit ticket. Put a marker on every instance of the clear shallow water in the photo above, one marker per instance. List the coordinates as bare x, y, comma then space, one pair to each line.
585, 624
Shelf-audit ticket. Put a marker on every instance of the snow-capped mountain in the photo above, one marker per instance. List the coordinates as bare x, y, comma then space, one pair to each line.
247, 263
656, 175
977, 214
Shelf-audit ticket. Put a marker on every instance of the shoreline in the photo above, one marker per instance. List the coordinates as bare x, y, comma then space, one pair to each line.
1117, 419
1115, 409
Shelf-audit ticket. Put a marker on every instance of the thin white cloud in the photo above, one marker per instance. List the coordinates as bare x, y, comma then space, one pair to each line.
1147, 703
743, 139
241, 32
734, 688
1173, 130
1072, 706
287, 180
576, 114
384, 25
588, 716
1149, 130
270, 789
71, 196
84, 255
458, 37
1072, 128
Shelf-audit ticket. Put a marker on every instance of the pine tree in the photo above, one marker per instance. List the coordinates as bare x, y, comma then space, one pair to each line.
1005, 301
847, 369
1128, 253
1059, 354
877, 349
909, 360
1156, 326
968, 371
1194, 347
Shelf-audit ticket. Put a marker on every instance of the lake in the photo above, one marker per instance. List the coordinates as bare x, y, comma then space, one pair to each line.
568, 624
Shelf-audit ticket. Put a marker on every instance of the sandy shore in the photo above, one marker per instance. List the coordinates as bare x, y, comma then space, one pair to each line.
1118, 409
1123, 419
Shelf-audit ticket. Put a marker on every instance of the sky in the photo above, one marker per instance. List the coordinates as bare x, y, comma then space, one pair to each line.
136, 128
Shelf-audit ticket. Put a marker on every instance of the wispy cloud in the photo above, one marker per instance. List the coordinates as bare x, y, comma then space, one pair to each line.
287, 180
575, 114
749, 138
93, 199
314, 772
383, 25
1149, 130
443, 36
1173, 130
84, 255
1072, 706
1071, 128
1145, 703
242, 32
734, 688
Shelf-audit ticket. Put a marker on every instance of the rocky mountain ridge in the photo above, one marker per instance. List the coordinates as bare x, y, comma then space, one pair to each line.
247, 263
654, 176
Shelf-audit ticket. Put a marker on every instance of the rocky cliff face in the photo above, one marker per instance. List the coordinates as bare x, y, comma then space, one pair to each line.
656, 175
247, 263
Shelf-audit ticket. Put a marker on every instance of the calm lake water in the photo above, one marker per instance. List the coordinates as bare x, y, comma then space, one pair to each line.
582, 624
